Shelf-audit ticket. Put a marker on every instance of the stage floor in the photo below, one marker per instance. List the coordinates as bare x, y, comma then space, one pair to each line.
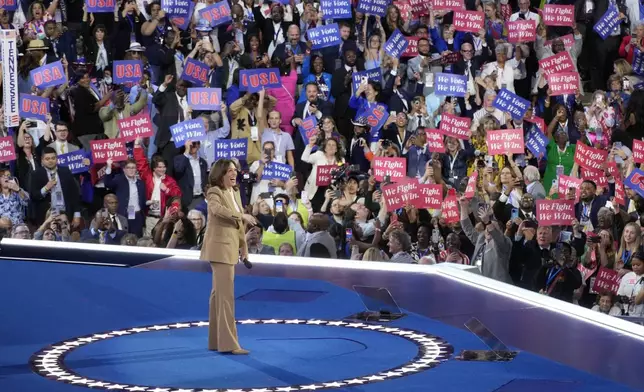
73, 327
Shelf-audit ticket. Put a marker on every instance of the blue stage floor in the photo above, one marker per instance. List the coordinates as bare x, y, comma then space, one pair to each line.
292, 328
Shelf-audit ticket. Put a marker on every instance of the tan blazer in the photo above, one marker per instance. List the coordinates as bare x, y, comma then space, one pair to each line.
225, 234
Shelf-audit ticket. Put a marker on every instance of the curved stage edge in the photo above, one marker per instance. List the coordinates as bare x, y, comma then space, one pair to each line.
569, 334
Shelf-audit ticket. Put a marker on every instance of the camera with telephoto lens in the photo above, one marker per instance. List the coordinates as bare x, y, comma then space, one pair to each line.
248, 177
342, 173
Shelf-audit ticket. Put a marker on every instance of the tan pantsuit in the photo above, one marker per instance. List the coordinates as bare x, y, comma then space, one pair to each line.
225, 236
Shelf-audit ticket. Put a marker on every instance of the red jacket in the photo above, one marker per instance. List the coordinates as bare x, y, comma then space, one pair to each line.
622, 49
146, 175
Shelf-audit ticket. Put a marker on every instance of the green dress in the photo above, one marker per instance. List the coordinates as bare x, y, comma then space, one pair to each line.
566, 158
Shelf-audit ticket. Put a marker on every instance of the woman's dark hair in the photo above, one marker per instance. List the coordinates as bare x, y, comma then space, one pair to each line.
338, 150
102, 28
313, 58
189, 232
280, 223
28, 63
403, 238
318, 222
635, 108
218, 171
156, 159
148, 6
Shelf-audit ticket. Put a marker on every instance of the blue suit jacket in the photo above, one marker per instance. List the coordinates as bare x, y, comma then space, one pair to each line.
118, 183
185, 177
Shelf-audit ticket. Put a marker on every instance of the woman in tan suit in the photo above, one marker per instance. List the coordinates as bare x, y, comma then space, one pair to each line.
223, 244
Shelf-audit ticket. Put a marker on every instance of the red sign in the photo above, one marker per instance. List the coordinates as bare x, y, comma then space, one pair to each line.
568, 41
638, 151
448, 5
567, 182
398, 195
606, 280
590, 157
450, 211
620, 195
560, 62
405, 9
419, 7
431, 196
396, 168
412, 47
599, 178
563, 83
7, 149
458, 127
471, 185
505, 141
558, 15
323, 174
102, 150
435, 140
135, 126
539, 122
522, 31
613, 170
469, 21
555, 212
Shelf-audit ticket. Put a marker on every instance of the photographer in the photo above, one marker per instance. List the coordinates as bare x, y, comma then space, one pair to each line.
329, 155
103, 230
630, 287
265, 188
359, 152
559, 277
55, 224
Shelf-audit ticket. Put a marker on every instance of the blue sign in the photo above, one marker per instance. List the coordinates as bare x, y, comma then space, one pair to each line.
608, 22
12, 5
375, 115
195, 72
231, 148
192, 130
507, 101
127, 71
635, 181
204, 98
75, 161
308, 129
217, 14
336, 9
253, 80
324, 36
179, 12
96, 6
450, 84
48, 75
373, 7
371, 74
638, 62
33, 106
396, 44
277, 171
536, 142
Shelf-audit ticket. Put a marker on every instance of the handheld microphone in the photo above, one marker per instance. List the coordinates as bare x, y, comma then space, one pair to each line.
247, 263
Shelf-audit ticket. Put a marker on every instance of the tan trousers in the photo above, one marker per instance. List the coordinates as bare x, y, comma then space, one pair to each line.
222, 330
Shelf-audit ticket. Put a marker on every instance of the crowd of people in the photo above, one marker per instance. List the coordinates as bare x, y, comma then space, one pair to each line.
157, 196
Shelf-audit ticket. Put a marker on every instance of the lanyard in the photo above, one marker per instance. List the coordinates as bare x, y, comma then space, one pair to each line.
277, 137
452, 162
276, 35
626, 257
553, 272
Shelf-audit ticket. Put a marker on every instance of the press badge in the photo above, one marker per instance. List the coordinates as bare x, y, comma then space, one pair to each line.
131, 213
254, 133
429, 79
560, 170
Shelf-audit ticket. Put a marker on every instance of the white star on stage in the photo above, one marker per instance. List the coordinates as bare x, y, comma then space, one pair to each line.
133, 389
87, 340
81, 381
390, 374
56, 374
207, 390
200, 324
311, 387
408, 370
389, 330
356, 325
373, 327
158, 327
102, 336
333, 384
336, 323
249, 321
415, 336
419, 365
374, 378
232, 390
285, 389
354, 381
116, 386
296, 321
184, 390
68, 378
401, 333
260, 390
76, 343
316, 322
180, 325
272, 321
120, 333
97, 384
159, 390
138, 330
425, 340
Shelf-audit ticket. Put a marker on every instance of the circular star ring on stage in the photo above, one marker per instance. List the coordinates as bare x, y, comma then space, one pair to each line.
432, 350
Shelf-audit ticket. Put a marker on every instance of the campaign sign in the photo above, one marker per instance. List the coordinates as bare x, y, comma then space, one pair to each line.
371, 74
324, 173
102, 150
638, 151
560, 62
608, 22
505, 141
253, 80
179, 11
536, 142
398, 195
97, 6
75, 161
471, 185
395, 168
7, 149
567, 182
419, 7
599, 178
377, 116
450, 84
448, 5
508, 101
568, 41
127, 71
203, 98
449, 210
537, 122
308, 129
563, 83
12, 5
638, 62
613, 170
469, 21
620, 194
412, 47
635, 181
192, 130
435, 140
277, 171
195, 72
133, 127
396, 44
590, 157
558, 15
217, 14
33, 106
231, 148
454, 126
336, 9
10, 95
405, 9
373, 7
607, 280
324, 36
48, 75
431, 196
555, 212
522, 31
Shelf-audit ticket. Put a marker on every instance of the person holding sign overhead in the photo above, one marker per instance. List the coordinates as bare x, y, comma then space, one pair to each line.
173, 108
329, 155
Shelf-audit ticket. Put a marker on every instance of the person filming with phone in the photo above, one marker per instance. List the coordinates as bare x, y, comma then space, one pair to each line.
13, 199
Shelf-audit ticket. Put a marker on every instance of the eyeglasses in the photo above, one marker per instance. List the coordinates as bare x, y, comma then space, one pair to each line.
467, 50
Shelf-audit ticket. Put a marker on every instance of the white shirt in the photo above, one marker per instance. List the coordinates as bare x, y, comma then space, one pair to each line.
231, 194
196, 172
318, 114
57, 197
504, 76
276, 39
156, 194
115, 218
528, 16
183, 103
60, 145
630, 286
